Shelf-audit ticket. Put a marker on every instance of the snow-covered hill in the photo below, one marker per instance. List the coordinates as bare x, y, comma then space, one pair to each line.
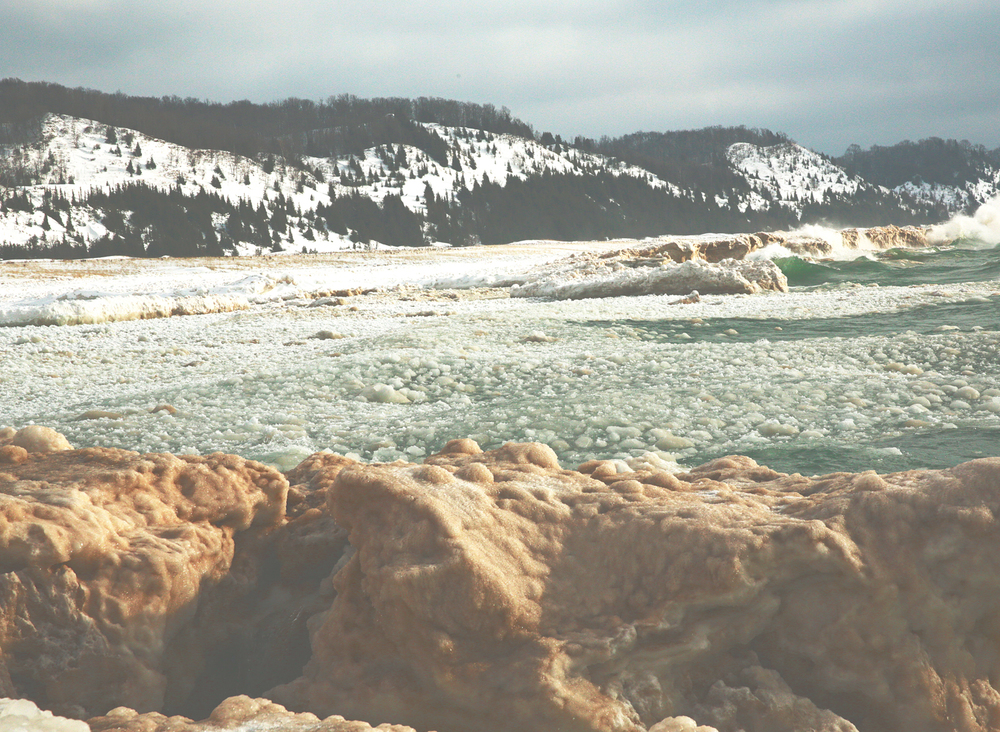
967, 195
788, 174
73, 183
73, 157
476, 157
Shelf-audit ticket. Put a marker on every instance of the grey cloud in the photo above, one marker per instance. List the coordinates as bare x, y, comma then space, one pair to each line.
828, 72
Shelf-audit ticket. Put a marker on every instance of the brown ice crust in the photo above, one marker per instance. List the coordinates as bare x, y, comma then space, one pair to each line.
105, 556
706, 265
738, 246
236, 714
497, 590
641, 272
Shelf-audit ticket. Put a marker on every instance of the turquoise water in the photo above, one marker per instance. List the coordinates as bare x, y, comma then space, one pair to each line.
927, 448
966, 261
921, 320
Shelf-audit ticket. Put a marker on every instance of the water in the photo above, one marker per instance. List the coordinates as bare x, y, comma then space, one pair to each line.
926, 319
967, 260
839, 374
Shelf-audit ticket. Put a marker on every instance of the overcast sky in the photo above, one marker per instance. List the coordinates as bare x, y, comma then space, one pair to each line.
827, 72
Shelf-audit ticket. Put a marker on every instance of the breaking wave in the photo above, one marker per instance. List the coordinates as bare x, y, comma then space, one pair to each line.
983, 225
972, 261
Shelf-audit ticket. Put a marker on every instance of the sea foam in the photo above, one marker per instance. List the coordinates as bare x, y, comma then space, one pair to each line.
984, 225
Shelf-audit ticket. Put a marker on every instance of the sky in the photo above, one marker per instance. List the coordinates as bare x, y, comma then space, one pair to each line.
828, 73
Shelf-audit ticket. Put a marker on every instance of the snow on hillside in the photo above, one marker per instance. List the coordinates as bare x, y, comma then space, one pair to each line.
476, 157
955, 197
788, 173
71, 158
75, 156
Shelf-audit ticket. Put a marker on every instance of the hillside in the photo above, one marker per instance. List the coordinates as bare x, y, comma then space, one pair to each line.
153, 177
958, 175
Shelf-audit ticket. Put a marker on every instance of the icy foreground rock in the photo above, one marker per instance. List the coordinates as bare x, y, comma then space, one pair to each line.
118, 568
496, 590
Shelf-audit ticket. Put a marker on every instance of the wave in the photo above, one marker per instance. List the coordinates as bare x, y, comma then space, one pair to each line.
984, 226
809, 273
82, 306
896, 267
836, 239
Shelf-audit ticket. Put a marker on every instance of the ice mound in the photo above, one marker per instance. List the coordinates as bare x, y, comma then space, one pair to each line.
34, 438
709, 264
111, 308
809, 241
236, 714
820, 241
498, 591
587, 276
106, 557
21, 715
158, 300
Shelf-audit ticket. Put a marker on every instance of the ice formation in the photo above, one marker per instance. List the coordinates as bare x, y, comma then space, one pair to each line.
587, 277
108, 558
236, 714
21, 715
496, 590
711, 263
499, 590
849, 367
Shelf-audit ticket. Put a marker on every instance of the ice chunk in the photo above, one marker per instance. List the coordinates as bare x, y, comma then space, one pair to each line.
21, 715
385, 394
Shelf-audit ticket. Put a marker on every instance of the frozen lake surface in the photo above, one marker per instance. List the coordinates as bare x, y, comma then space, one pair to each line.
884, 364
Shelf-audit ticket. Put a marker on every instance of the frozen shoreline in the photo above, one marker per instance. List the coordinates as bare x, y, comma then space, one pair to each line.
394, 373
364, 590
58, 292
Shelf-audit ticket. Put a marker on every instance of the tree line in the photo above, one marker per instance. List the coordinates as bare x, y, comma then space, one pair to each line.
931, 160
339, 125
